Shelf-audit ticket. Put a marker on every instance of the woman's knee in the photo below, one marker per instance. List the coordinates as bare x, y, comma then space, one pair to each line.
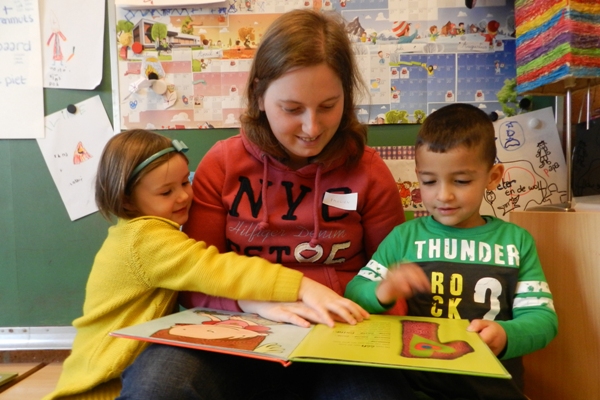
167, 372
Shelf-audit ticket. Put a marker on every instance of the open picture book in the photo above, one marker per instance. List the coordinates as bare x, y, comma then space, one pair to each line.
418, 343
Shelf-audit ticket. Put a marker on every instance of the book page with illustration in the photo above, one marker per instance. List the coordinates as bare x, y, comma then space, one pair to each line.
419, 343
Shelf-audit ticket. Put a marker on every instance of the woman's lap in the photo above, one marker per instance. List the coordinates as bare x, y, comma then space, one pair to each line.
169, 372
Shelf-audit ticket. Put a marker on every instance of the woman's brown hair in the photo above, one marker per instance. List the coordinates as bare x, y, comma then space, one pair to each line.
303, 38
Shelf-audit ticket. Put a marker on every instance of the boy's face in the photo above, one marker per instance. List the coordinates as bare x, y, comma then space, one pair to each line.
453, 184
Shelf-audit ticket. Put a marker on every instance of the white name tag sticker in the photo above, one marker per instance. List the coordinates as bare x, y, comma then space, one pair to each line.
343, 201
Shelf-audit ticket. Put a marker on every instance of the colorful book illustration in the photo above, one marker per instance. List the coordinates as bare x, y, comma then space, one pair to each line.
417, 343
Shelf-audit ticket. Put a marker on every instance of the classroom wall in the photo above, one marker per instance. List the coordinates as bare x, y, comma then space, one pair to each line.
45, 258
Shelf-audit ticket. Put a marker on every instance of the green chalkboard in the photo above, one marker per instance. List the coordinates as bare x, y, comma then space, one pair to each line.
45, 258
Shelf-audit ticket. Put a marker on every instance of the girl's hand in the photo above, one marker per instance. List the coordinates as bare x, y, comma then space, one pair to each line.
296, 313
328, 305
402, 281
491, 333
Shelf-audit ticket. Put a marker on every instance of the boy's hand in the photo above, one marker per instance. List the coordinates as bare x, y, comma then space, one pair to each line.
491, 333
329, 305
402, 281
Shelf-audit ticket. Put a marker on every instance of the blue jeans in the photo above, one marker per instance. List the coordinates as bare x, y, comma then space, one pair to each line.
441, 386
168, 372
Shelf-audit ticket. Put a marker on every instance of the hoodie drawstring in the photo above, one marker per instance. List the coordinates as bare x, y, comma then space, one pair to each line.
264, 224
315, 237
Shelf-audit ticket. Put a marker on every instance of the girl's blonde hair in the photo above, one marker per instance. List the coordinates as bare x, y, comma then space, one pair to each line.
304, 38
121, 155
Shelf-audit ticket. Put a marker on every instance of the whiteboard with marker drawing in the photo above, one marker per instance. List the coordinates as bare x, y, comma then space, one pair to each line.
535, 170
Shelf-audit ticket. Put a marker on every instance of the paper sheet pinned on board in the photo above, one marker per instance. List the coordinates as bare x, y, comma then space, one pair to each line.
21, 90
535, 170
72, 148
73, 43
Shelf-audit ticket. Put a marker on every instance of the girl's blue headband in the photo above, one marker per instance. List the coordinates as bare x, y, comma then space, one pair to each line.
178, 146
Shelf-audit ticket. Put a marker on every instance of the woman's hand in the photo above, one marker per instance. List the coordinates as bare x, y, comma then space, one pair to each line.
319, 304
296, 313
402, 281
328, 305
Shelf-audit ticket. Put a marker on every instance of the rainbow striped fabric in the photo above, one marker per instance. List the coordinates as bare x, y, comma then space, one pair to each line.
556, 40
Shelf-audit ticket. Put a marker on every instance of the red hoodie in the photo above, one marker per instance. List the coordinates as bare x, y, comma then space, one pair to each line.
233, 211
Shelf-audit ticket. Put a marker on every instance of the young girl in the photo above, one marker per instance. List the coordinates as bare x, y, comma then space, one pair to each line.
143, 181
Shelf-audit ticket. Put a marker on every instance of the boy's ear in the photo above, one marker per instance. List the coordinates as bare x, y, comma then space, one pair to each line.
495, 175
418, 177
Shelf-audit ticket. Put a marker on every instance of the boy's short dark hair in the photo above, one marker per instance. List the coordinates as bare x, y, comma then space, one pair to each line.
459, 124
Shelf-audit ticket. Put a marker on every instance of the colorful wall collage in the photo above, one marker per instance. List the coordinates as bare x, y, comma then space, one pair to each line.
186, 68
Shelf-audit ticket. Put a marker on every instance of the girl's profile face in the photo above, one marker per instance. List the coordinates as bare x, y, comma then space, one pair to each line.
304, 108
164, 192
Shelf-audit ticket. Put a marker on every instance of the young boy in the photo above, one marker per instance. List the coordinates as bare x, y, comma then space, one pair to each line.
466, 265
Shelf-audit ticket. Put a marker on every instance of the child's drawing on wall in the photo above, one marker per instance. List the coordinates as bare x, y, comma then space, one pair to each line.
543, 155
81, 154
521, 188
66, 26
56, 37
535, 174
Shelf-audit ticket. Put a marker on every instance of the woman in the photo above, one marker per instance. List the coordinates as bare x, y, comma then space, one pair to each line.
298, 186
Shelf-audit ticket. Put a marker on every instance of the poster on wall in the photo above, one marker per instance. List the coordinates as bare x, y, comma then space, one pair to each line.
21, 90
186, 68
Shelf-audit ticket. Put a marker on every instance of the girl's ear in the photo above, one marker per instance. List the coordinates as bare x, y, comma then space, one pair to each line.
128, 204
495, 175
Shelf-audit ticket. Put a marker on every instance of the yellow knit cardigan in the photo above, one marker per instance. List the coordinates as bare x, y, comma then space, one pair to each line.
135, 278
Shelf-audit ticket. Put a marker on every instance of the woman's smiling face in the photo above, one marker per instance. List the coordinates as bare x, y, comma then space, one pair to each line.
304, 108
